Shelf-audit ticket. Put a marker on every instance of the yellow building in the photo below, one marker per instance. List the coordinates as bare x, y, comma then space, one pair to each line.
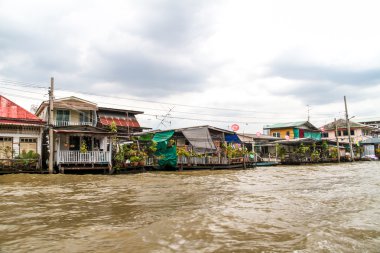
294, 130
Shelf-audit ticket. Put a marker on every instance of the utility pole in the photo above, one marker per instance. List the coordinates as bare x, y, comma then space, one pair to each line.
51, 119
337, 140
348, 130
308, 112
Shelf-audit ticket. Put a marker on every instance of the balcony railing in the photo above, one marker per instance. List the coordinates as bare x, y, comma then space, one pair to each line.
72, 123
77, 157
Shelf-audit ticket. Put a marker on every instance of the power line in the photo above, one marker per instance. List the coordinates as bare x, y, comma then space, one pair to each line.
24, 84
176, 104
176, 117
147, 101
39, 93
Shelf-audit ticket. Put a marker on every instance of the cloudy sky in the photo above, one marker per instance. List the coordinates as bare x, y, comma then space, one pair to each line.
198, 62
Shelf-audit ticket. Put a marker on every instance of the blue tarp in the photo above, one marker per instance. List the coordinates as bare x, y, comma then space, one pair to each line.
232, 138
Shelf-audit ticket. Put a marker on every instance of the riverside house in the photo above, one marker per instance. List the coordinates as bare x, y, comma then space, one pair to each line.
78, 141
293, 130
373, 122
20, 131
359, 132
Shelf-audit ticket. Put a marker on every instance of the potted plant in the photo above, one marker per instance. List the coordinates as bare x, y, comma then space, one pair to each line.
142, 156
83, 147
182, 152
171, 143
377, 152
134, 160
315, 156
334, 153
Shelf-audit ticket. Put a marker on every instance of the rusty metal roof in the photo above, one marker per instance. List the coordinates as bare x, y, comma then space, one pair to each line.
15, 113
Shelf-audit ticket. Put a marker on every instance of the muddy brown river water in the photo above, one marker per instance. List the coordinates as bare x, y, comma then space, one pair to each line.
318, 208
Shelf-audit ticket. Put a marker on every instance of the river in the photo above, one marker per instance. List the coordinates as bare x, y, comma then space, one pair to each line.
316, 208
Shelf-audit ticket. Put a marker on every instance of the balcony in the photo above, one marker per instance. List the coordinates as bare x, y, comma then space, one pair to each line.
60, 123
77, 157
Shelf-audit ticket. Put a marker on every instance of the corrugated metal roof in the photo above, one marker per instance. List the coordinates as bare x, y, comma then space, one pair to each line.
10, 110
341, 124
287, 124
123, 122
20, 123
368, 120
371, 141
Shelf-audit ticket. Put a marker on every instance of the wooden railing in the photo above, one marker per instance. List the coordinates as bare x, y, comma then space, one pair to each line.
85, 157
19, 165
73, 123
210, 160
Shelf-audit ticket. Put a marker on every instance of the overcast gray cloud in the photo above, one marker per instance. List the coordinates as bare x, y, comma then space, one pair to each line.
269, 57
145, 76
157, 60
333, 74
321, 84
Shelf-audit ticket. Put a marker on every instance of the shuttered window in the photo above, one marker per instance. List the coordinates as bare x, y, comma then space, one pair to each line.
6, 147
28, 144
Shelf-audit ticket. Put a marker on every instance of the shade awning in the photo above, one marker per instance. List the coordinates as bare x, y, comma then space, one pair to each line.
200, 139
119, 121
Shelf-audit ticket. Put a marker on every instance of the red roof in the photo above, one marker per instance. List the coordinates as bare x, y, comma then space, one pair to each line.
13, 113
123, 122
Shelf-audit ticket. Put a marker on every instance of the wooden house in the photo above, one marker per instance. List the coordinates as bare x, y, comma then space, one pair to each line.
78, 142
293, 130
201, 147
20, 130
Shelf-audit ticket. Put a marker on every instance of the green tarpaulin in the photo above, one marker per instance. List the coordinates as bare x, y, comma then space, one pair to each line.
163, 136
146, 137
313, 135
168, 155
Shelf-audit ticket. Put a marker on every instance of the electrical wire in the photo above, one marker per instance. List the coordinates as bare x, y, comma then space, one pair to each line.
24, 84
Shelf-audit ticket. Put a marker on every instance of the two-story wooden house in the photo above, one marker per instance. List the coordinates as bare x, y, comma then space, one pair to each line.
78, 142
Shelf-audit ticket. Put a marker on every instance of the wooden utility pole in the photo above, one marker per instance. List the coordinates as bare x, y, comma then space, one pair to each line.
348, 130
337, 139
51, 121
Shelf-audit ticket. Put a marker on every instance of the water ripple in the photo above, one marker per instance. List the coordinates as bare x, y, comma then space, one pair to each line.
322, 208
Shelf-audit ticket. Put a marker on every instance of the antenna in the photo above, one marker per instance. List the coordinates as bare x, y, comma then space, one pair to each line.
163, 121
308, 112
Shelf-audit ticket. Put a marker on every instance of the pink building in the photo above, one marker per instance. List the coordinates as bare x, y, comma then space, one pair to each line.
359, 132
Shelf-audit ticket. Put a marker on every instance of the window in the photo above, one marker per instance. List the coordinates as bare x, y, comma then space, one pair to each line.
6, 144
276, 134
85, 117
63, 117
288, 133
28, 144
325, 135
345, 132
